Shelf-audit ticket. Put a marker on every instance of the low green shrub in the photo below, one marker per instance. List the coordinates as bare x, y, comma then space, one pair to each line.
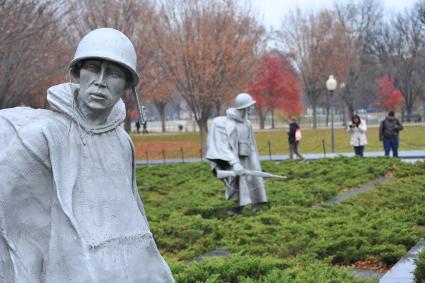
420, 268
187, 214
249, 269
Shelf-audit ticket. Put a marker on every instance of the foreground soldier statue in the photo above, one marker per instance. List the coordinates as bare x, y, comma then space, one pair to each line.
69, 206
232, 148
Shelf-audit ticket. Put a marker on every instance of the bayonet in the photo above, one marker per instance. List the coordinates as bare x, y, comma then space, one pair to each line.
221, 174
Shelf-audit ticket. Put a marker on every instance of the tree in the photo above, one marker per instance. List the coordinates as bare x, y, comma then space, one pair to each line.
401, 51
207, 51
358, 23
31, 50
160, 94
389, 97
313, 41
335, 41
276, 86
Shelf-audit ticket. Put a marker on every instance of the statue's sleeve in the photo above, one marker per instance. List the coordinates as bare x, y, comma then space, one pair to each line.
134, 182
220, 145
25, 192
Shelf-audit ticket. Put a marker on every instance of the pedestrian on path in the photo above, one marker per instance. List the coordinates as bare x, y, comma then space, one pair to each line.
389, 133
358, 129
294, 137
138, 127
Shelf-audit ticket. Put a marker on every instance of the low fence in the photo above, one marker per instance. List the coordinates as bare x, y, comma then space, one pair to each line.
190, 154
372, 119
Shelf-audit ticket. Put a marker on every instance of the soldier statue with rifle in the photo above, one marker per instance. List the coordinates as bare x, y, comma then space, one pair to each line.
234, 158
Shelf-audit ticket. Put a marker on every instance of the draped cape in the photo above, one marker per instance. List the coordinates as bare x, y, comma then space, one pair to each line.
69, 206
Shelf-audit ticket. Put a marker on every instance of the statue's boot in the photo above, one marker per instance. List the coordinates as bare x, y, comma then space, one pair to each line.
257, 206
235, 210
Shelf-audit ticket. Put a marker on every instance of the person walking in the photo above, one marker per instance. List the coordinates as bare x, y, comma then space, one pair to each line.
389, 133
294, 137
358, 129
137, 127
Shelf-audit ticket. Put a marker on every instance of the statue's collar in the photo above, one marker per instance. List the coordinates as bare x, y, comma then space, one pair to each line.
234, 114
61, 99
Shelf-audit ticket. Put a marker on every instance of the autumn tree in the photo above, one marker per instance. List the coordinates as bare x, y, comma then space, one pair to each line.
31, 50
207, 51
276, 86
389, 97
159, 94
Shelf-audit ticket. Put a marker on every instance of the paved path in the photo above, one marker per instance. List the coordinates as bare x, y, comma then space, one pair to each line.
402, 271
404, 154
353, 192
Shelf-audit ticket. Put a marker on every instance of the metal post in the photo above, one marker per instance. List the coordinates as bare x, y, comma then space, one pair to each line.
163, 156
332, 122
147, 156
200, 154
270, 150
182, 152
324, 148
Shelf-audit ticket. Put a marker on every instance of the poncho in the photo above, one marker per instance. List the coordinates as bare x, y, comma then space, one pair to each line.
224, 144
69, 206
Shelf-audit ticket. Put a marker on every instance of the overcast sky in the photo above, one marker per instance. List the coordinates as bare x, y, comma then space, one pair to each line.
272, 11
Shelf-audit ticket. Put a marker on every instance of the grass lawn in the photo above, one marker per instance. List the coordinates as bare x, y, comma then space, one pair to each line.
170, 145
292, 240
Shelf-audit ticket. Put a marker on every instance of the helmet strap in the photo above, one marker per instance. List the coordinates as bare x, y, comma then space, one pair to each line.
140, 109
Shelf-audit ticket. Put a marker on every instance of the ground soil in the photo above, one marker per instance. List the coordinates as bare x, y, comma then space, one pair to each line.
171, 149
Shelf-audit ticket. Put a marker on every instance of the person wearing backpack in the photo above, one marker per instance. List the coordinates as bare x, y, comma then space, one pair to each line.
294, 137
358, 129
389, 133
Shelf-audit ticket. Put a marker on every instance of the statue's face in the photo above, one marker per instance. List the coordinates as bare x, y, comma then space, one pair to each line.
250, 109
102, 83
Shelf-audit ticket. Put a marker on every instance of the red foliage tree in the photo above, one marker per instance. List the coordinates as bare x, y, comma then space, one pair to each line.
389, 97
276, 85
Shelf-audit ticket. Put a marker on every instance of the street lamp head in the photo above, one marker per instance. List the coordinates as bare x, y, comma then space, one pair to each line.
331, 83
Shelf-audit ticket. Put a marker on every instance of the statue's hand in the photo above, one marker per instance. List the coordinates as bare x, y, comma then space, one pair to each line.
238, 169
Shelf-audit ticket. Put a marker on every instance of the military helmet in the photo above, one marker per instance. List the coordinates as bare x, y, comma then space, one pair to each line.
243, 100
108, 44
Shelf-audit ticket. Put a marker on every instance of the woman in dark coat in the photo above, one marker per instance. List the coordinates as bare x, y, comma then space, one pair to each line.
292, 139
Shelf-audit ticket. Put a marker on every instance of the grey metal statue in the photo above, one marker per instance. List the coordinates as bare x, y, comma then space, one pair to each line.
69, 206
232, 149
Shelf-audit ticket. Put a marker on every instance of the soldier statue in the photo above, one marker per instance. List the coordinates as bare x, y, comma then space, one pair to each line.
232, 148
69, 206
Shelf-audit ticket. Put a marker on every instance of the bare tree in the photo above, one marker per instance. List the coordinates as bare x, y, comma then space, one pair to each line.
313, 41
31, 50
401, 50
358, 23
207, 51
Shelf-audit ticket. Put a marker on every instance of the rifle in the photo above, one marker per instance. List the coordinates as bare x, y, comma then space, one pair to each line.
221, 174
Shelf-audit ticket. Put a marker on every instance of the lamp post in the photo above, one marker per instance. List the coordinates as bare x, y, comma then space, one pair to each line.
331, 86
